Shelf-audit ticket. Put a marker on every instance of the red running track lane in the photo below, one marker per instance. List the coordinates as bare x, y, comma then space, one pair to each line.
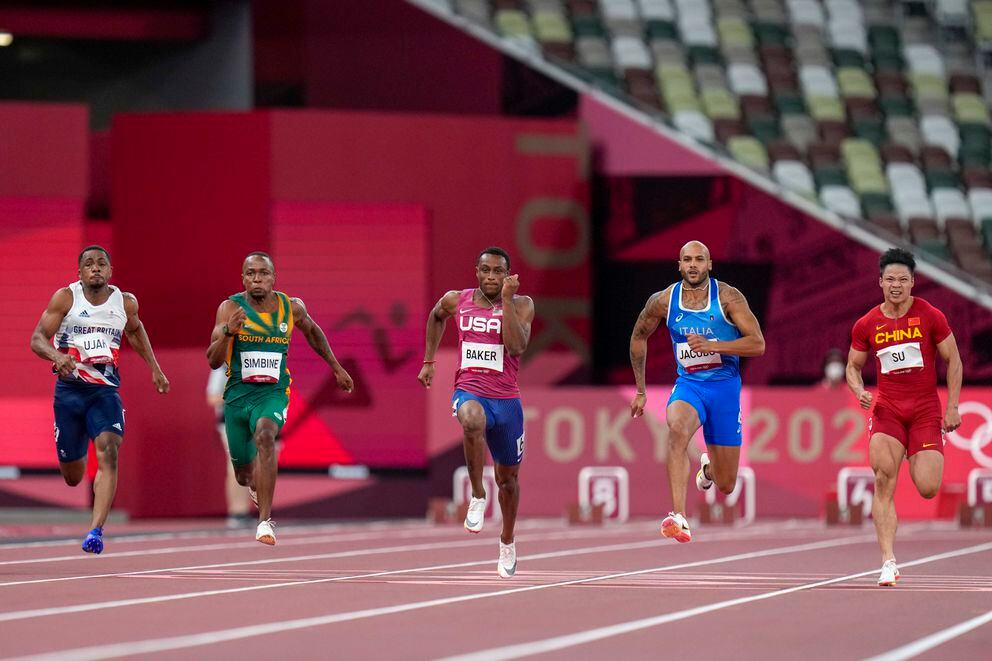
772, 590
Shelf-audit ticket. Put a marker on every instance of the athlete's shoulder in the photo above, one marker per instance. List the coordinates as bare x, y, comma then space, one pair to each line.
658, 301
925, 306
726, 291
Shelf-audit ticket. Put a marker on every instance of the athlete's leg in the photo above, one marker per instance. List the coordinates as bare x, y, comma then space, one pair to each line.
245, 474
240, 444
683, 421
925, 450
724, 461
73, 471
472, 418
266, 465
234, 493
927, 470
722, 431
107, 447
72, 439
509, 498
885, 453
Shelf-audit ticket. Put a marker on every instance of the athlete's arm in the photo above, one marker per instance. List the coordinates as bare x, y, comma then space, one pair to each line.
446, 307
137, 337
948, 349
855, 363
228, 322
48, 326
318, 342
648, 321
751, 343
518, 315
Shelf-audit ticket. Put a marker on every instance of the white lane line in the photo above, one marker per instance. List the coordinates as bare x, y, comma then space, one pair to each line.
78, 608
222, 635
126, 537
283, 542
927, 643
297, 538
566, 534
601, 633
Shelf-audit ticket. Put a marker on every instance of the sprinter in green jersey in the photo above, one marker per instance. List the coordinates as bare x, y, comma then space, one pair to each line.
251, 336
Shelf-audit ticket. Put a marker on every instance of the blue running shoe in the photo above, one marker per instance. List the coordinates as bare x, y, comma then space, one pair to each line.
94, 541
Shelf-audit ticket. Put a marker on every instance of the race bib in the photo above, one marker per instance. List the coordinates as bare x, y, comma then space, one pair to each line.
484, 356
94, 348
900, 357
693, 361
260, 366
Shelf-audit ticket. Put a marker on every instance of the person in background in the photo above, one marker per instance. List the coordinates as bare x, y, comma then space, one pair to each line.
834, 370
235, 494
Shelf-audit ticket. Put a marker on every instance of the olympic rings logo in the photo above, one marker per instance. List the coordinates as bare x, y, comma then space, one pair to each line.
980, 438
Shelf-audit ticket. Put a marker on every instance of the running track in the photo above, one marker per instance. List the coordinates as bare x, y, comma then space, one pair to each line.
410, 590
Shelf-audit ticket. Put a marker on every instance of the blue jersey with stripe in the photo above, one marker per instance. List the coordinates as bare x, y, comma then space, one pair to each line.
712, 324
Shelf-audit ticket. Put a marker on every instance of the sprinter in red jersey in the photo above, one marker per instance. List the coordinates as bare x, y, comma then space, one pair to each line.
905, 333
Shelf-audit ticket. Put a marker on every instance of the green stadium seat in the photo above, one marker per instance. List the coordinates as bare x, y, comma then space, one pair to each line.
825, 108
589, 26
734, 31
855, 83
513, 23
897, 106
789, 103
970, 109
551, 27
747, 150
720, 104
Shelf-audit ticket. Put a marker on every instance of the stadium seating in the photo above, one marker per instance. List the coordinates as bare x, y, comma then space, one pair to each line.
875, 108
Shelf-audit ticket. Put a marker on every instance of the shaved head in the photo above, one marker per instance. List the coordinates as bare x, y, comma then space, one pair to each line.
693, 246
694, 263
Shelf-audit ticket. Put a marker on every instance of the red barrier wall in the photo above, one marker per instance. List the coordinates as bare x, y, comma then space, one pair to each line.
43, 183
190, 198
370, 218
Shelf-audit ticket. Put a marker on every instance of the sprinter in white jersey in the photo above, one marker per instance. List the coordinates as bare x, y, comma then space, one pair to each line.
80, 333
711, 326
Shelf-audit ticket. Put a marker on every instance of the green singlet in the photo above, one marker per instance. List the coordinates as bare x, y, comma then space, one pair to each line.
257, 375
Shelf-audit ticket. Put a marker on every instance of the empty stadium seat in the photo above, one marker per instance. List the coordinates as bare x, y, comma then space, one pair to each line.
795, 176
841, 200
941, 132
748, 151
949, 203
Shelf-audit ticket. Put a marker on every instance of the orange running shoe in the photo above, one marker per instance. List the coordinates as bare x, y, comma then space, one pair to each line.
676, 527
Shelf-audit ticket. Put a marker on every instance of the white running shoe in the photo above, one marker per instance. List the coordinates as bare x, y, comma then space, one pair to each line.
702, 482
676, 527
507, 565
265, 532
254, 496
890, 573
476, 515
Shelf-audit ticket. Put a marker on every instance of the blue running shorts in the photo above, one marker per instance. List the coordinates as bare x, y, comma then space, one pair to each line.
504, 425
84, 411
718, 404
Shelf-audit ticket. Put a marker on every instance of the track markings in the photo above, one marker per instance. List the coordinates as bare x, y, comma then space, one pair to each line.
238, 633
602, 633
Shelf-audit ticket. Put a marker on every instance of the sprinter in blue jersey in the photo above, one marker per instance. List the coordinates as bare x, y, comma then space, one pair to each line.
711, 327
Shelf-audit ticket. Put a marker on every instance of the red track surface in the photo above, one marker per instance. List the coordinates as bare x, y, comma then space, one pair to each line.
409, 590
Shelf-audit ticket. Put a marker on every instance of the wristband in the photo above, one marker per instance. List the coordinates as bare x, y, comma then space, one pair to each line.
429, 362
227, 332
